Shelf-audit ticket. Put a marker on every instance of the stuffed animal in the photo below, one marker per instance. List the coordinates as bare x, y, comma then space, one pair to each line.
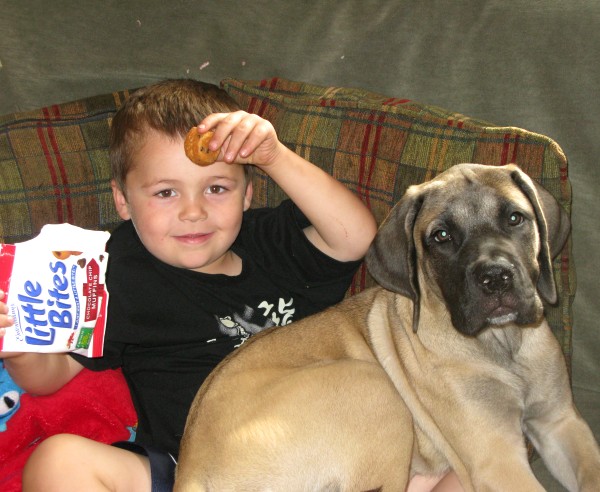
10, 397
96, 405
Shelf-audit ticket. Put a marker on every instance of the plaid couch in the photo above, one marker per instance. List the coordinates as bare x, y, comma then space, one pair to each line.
54, 161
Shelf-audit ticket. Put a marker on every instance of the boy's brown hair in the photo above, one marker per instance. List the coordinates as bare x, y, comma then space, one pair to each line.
171, 107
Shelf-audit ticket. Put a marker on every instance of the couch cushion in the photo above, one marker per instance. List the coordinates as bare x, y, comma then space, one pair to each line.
379, 145
54, 167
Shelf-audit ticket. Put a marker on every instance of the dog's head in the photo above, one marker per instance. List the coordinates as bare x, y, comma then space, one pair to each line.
480, 239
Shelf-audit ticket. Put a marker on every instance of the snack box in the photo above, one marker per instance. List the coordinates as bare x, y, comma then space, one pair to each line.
55, 292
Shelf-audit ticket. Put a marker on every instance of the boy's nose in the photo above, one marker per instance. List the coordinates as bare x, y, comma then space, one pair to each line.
193, 210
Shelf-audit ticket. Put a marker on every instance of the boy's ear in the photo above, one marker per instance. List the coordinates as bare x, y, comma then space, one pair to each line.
248, 195
120, 201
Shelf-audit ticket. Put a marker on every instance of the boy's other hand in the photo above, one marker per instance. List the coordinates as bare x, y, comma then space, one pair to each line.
5, 319
244, 138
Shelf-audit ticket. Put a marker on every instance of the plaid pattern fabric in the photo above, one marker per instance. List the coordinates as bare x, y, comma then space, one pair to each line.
378, 146
54, 167
54, 161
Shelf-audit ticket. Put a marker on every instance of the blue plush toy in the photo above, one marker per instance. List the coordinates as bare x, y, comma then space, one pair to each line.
10, 397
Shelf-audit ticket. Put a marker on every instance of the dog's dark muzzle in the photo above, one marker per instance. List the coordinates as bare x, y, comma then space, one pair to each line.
494, 277
498, 286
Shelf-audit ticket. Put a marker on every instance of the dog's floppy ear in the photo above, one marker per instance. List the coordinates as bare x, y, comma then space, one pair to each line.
392, 258
554, 227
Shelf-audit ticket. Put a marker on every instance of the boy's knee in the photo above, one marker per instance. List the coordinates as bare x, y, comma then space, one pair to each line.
50, 448
58, 445
49, 460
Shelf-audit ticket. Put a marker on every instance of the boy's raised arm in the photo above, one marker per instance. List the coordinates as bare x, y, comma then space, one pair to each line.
342, 226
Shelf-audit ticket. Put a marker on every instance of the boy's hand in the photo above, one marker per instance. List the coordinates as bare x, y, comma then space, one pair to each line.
341, 225
5, 319
244, 138
40, 374
5, 322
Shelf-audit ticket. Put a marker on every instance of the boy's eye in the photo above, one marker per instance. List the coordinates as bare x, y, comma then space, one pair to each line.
214, 189
165, 193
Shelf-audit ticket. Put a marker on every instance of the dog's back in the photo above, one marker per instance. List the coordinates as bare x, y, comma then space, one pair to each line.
252, 425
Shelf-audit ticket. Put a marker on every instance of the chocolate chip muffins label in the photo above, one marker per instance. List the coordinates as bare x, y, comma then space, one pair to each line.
55, 291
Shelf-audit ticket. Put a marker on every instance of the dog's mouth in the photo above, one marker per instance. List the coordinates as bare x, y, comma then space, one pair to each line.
492, 311
502, 315
509, 308
501, 309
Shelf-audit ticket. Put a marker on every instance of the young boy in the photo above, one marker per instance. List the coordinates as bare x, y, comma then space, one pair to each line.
193, 272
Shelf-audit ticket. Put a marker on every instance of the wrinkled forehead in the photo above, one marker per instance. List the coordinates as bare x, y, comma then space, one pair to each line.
465, 196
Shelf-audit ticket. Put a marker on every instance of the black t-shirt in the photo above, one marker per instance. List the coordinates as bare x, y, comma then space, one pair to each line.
168, 327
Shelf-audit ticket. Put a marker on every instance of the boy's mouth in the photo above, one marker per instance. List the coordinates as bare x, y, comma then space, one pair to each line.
198, 238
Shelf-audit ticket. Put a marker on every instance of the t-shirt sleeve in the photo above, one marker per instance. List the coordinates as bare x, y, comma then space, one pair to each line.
275, 237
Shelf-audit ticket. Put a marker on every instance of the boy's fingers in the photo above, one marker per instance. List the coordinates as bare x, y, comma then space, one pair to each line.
238, 134
6, 321
259, 134
242, 138
221, 125
214, 122
211, 121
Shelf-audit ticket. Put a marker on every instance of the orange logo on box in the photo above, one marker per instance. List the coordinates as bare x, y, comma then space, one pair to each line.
63, 255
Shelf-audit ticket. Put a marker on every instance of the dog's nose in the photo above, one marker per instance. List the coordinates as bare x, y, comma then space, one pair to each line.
495, 278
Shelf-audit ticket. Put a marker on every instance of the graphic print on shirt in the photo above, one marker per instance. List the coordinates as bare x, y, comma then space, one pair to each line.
252, 321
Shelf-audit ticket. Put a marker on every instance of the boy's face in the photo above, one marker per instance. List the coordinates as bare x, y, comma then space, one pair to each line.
186, 215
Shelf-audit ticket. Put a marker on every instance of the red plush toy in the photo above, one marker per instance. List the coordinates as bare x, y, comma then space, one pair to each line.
96, 405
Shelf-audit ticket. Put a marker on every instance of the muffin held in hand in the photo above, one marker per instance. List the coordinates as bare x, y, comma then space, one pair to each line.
196, 147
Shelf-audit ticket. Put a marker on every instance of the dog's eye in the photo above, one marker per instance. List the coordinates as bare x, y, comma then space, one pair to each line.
442, 236
515, 219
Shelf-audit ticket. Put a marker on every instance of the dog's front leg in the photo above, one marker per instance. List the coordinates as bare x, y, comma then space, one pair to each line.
567, 447
551, 421
498, 462
481, 424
